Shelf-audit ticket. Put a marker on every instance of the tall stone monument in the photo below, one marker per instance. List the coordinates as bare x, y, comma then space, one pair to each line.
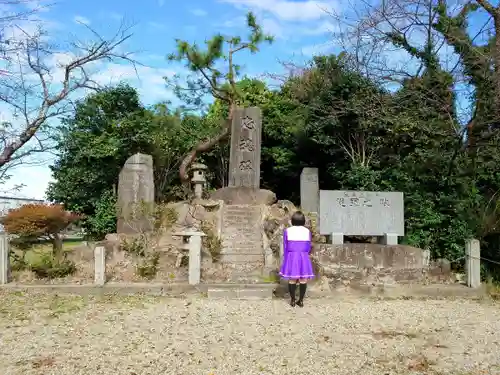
244, 162
136, 195
309, 190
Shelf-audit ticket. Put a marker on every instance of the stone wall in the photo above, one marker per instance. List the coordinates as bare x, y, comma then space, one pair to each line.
372, 264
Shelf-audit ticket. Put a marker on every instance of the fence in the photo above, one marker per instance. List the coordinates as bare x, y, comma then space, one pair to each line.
192, 246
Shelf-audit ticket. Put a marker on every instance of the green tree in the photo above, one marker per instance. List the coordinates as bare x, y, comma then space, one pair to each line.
212, 81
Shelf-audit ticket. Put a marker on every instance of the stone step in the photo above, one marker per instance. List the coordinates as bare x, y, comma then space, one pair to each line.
240, 219
241, 258
243, 241
246, 207
253, 247
242, 211
237, 291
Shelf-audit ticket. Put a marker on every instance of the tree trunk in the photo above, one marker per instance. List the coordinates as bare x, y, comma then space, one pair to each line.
205, 146
57, 247
496, 57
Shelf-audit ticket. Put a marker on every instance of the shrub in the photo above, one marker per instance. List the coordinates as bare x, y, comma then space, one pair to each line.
48, 267
104, 219
148, 268
211, 241
33, 221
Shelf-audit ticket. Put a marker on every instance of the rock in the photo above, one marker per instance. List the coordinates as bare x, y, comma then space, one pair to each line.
321, 286
287, 206
440, 267
243, 195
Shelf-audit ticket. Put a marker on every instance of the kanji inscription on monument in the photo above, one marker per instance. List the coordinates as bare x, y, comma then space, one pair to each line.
244, 162
361, 213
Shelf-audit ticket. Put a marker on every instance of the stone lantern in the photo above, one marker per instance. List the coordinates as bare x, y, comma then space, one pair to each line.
198, 179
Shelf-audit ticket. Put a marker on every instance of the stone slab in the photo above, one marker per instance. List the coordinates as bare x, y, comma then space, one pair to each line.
309, 190
222, 294
136, 193
361, 213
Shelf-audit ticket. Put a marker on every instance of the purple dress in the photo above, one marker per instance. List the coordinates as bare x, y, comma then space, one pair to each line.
297, 243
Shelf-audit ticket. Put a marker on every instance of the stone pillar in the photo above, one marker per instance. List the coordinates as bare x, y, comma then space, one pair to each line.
473, 263
195, 258
282, 248
192, 243
198, 179
4, 259
389, 239
309, 190
244, 162
100, 265
136, 195
337, 238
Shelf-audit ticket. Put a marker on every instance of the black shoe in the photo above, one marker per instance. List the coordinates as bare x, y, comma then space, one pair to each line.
300, 303
292, 303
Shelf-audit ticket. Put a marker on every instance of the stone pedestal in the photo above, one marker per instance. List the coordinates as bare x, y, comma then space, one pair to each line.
389, 239
337, 238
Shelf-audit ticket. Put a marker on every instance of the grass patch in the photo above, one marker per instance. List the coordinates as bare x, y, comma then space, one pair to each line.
492, 289
41, 249
59, 305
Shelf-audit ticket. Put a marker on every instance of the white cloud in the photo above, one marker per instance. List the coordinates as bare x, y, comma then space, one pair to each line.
316, 49
82, 20
149, 83
199, 12
288, 10
156, 25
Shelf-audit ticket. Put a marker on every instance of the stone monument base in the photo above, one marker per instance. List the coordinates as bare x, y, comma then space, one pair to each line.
244, 195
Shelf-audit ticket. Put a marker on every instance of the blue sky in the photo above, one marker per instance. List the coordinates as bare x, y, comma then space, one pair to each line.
301, 28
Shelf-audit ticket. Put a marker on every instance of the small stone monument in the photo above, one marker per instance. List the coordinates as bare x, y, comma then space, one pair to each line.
198, 179
309, 190
136, 194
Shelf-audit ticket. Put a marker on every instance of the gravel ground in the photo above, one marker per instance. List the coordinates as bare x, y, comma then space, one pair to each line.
41, 334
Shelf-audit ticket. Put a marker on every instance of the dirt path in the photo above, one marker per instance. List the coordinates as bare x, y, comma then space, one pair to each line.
143, 335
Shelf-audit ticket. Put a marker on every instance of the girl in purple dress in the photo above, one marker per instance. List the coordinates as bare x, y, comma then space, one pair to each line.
297, 266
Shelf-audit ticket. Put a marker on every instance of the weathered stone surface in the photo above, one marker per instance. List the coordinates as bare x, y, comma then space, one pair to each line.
241, 235
136, 193
359, 213
354, 265
440, 267
244, 195
309, 190
244, 162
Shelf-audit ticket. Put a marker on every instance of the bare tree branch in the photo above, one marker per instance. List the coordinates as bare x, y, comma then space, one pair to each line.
39, 86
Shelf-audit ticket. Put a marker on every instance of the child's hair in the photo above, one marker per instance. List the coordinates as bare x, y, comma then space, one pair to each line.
298, 219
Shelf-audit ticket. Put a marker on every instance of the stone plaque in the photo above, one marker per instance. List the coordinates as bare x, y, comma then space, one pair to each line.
244, 162
309, 190
136, 194
361, 213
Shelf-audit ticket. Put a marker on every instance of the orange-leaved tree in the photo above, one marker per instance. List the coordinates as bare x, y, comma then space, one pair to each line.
34, 221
